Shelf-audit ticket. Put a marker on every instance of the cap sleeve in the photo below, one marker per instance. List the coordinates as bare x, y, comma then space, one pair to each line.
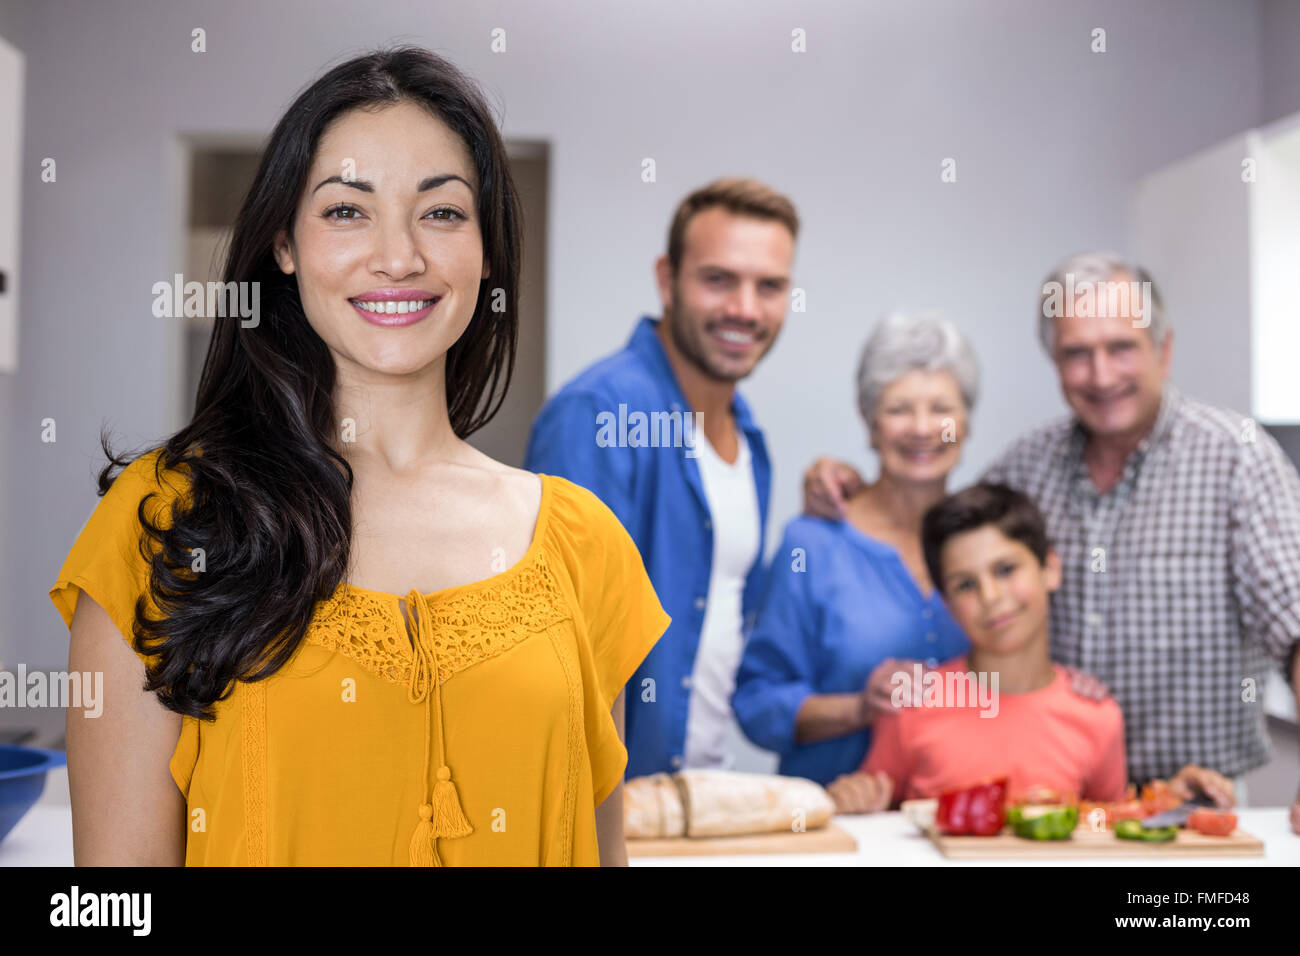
618, 618
106, 561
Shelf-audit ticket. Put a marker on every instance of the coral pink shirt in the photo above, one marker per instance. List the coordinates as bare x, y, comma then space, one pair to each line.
1049, 737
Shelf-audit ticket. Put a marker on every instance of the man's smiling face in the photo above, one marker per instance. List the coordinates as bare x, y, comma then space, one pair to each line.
1112, 373
726, 305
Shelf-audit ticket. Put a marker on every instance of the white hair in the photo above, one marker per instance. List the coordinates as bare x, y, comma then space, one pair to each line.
1092, 267
901, 343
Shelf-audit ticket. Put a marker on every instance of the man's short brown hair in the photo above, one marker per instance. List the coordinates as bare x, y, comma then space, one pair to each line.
741, 197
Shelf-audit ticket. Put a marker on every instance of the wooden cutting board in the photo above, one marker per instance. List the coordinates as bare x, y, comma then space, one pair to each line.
827, 839
1091, 843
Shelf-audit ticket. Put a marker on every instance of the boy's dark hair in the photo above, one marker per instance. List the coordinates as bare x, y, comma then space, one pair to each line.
1011, 512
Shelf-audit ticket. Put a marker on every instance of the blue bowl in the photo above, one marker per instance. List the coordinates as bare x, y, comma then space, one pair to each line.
22, 778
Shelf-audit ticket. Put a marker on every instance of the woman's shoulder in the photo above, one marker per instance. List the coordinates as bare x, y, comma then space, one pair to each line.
107, 559
583, 532
599, 561
580, 528
811, 531
516, 492
143, 481
576, 508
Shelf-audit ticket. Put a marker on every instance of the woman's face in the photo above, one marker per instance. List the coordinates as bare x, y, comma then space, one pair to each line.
386, 242
919, 426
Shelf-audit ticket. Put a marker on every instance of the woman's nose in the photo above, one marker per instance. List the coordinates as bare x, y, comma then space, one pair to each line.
396, 254
924, 425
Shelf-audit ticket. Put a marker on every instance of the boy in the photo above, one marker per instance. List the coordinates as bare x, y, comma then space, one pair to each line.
986, 549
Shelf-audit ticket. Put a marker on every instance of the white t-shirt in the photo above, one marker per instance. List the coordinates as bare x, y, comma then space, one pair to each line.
733, 507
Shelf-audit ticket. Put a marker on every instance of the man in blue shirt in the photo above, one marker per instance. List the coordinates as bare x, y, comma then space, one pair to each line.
659, 433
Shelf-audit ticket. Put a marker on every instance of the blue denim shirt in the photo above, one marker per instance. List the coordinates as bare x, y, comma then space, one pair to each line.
657, 494
837, 603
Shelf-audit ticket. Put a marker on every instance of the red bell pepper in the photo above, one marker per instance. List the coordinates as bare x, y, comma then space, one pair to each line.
980, 810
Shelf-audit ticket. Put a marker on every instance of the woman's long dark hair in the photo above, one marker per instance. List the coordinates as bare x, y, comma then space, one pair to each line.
268, 496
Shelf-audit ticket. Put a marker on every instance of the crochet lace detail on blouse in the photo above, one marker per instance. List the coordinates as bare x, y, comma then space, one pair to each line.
469, 626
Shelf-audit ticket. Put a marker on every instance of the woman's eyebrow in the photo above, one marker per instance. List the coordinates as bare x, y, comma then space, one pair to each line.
431, 182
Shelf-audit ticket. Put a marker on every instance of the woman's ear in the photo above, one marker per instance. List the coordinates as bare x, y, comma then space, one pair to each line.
283, 249
872, 443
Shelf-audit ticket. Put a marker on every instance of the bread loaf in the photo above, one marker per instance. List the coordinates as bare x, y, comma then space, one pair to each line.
652, 807
706, 803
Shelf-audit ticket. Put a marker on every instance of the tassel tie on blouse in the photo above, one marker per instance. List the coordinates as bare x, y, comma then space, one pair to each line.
440, 815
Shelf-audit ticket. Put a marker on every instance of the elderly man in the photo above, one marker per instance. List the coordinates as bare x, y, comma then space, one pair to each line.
1178, 525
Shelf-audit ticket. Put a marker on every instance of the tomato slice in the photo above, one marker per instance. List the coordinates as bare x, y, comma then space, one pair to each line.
1212, 822
1131, 810
1115, 811
1157, 797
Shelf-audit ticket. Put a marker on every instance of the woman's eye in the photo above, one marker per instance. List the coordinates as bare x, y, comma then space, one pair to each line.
341, 208
345, 211
452, 214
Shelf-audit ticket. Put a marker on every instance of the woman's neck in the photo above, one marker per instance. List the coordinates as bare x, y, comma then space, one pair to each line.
899, 505
401, 421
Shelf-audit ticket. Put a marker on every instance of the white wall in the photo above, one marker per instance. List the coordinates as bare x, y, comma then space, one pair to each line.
1279, 31
10, 20
1191, 226
1049, 140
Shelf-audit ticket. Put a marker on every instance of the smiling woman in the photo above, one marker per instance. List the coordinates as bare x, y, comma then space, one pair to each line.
812, 681
326, 588
393, 237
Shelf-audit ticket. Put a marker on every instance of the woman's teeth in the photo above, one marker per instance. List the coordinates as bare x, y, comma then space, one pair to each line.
393, 307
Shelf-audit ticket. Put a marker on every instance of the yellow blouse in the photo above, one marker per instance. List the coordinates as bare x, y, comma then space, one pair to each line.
354, 754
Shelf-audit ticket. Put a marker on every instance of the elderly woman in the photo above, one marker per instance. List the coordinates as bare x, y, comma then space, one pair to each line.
849, 601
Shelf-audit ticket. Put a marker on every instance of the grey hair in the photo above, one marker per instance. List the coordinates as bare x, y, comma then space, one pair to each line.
901, 343
1095, 267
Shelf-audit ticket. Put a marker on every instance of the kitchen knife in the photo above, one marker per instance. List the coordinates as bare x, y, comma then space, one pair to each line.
1177, 817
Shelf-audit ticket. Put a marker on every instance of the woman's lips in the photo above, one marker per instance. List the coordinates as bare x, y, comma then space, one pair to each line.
919, 455
393, 319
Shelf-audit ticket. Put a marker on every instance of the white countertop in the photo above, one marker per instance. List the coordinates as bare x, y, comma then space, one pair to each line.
44, 838
890, 839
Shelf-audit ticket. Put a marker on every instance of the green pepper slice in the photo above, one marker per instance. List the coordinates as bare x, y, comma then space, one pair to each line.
1133, 830
1044, 821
